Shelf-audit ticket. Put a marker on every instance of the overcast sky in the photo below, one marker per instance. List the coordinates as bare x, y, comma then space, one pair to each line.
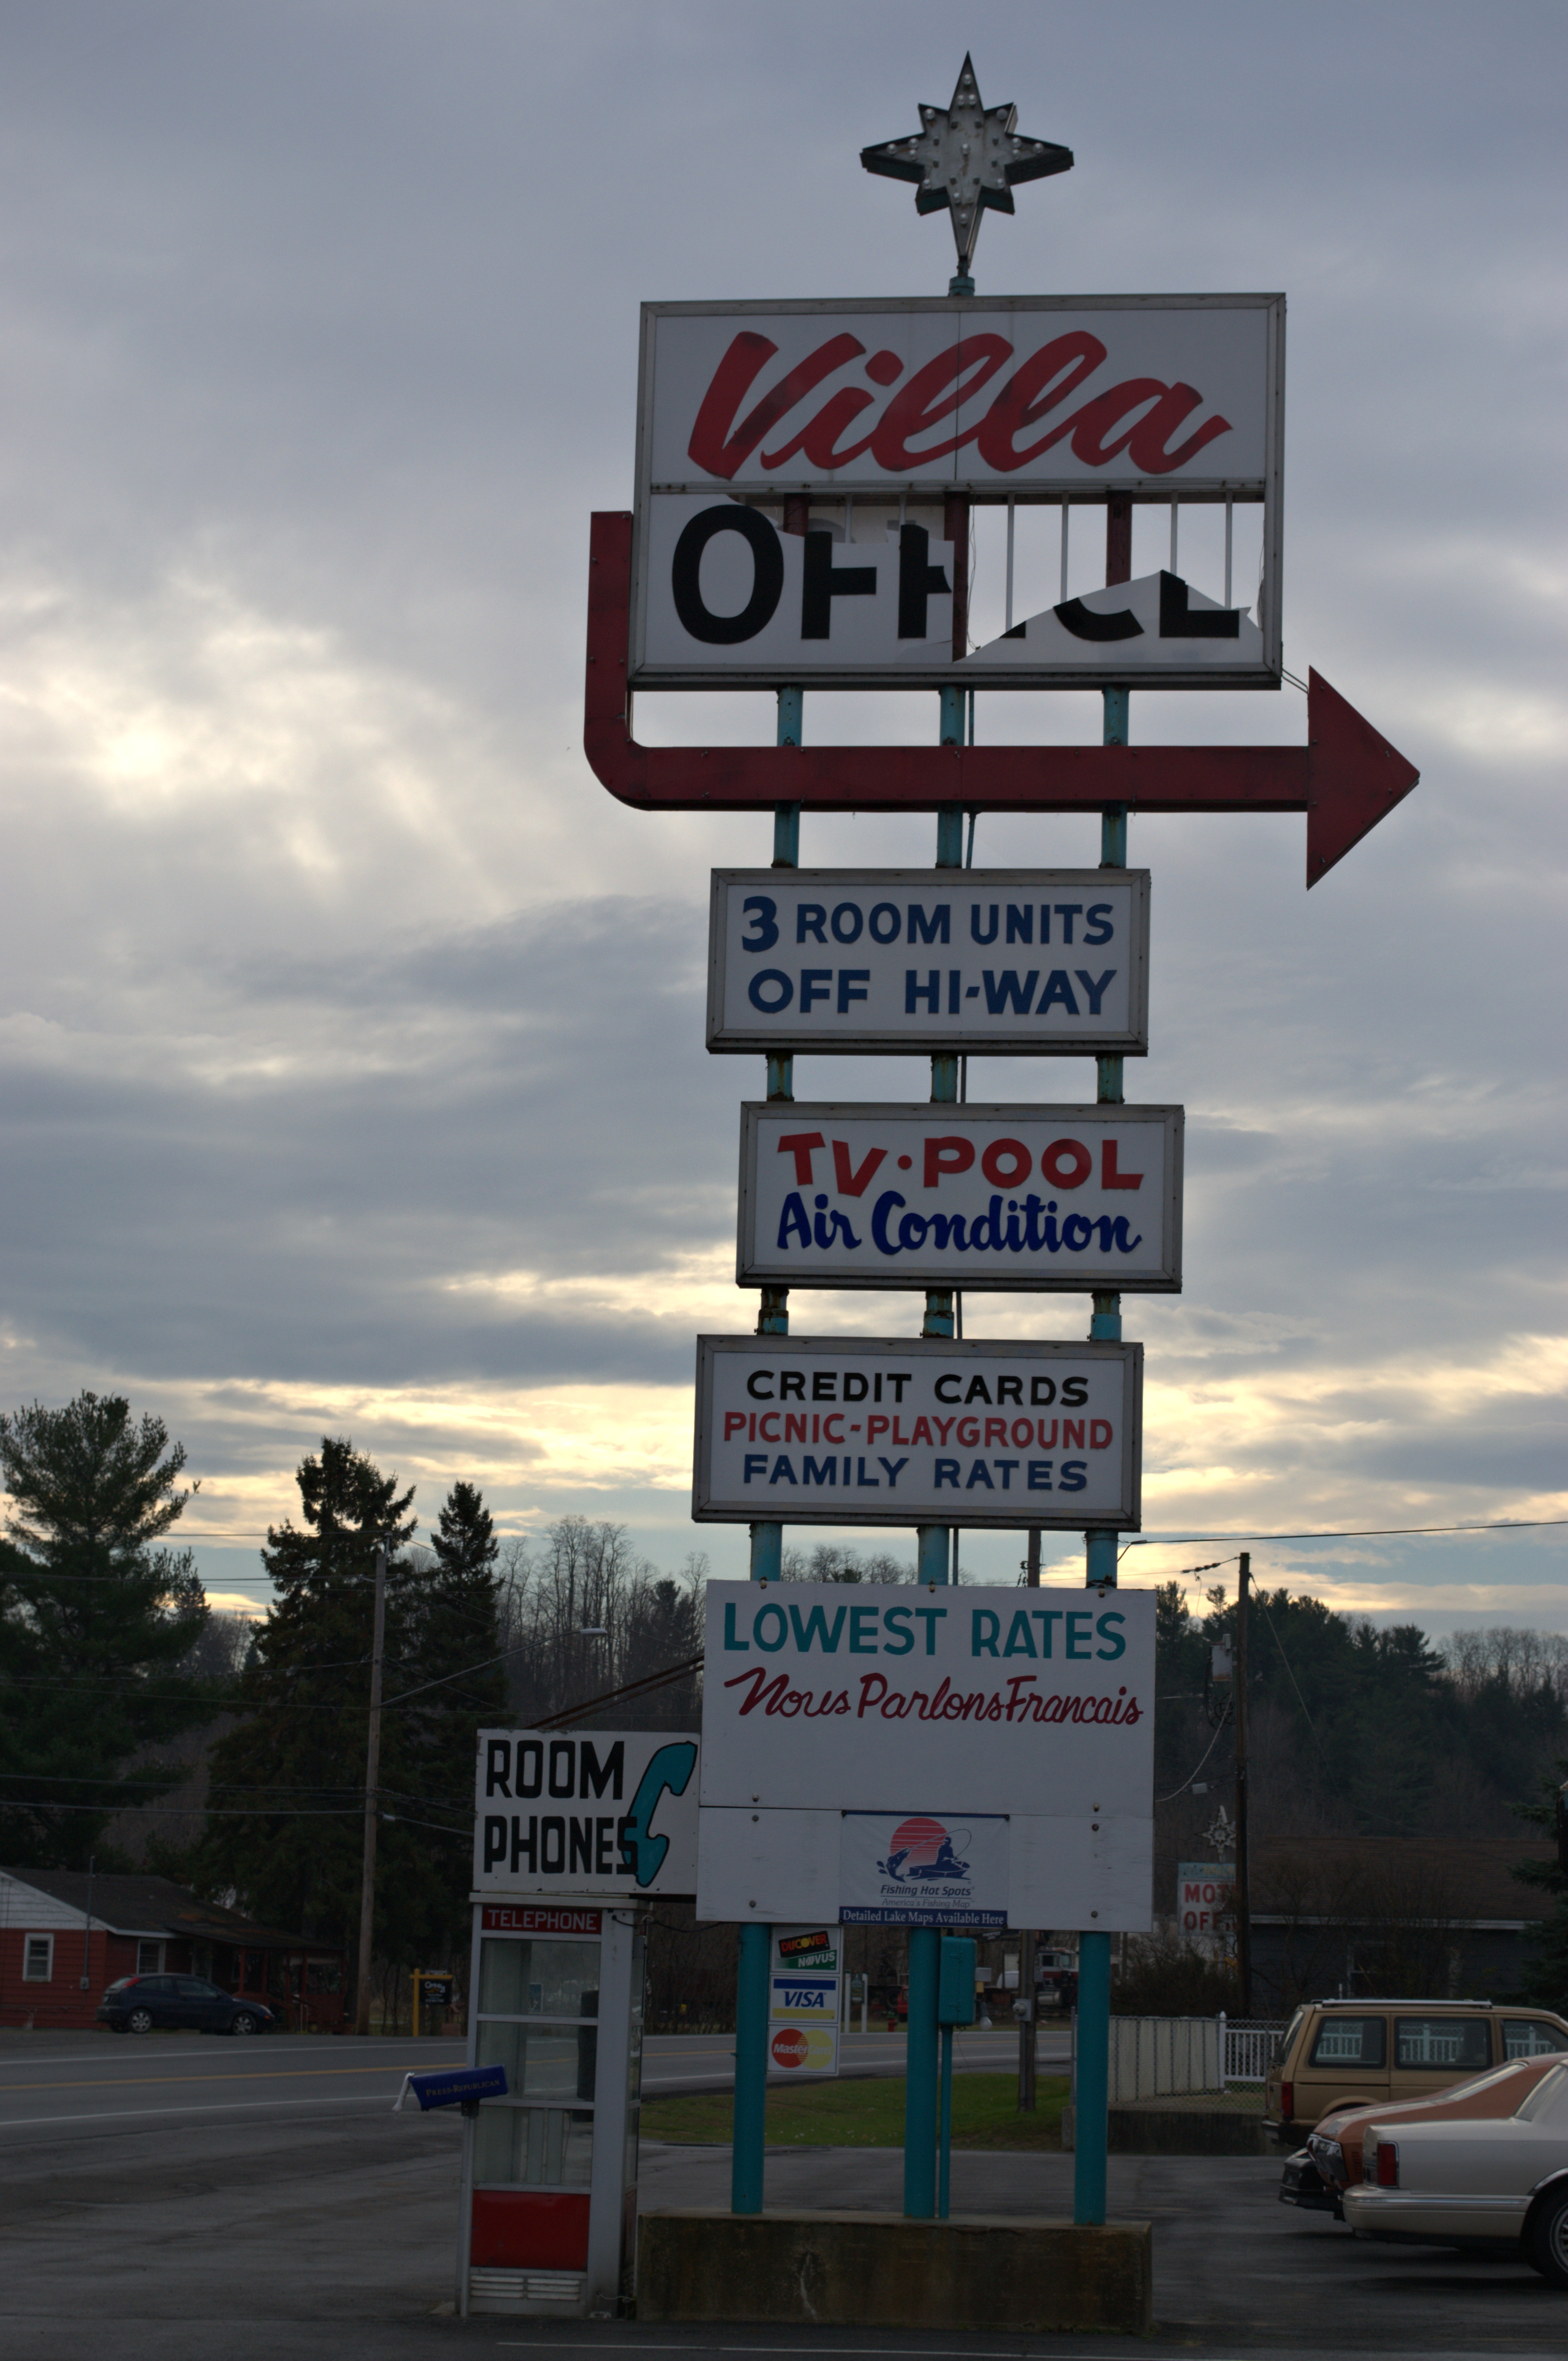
352, 1074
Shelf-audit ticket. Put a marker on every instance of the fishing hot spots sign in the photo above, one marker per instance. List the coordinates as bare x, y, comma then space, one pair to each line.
927, 1756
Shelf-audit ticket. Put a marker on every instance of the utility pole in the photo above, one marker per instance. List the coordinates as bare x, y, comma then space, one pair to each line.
1026, 2024
1244, 1882
87, 1930
372, 1775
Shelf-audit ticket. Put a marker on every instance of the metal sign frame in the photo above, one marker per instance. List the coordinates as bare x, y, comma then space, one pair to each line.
1011, 1509
991, 1272
944, 1032
963, 478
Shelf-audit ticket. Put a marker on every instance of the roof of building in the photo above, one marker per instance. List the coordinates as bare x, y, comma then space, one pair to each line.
1461, 1879
145, 1905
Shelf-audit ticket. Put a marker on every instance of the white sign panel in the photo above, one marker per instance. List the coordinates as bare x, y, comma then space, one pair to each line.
1079, 1864
923, 1869
601, 1812
822, 1697
802, 2002
1006, 962
881, 1431
871, 415
1076, 393
854, 602
1029, 1197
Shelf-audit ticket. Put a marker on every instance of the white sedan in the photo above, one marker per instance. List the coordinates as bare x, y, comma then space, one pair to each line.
1458, 2181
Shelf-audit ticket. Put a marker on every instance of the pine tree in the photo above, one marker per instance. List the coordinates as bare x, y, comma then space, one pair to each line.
95, 1622
298, 1759
1546, 1950
455, 1686
293, 1774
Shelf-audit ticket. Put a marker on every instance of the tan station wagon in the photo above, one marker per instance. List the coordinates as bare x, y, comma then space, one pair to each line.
1354, 2053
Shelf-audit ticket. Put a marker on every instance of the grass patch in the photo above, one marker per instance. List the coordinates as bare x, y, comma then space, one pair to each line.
868, 2113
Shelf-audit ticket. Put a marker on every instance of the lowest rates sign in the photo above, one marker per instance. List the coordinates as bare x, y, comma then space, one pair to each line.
891, 1431
918, 1756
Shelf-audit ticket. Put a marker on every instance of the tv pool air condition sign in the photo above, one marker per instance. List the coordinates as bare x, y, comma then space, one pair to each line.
1023, 1198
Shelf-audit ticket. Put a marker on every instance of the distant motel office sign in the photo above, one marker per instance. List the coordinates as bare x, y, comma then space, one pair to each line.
892, 410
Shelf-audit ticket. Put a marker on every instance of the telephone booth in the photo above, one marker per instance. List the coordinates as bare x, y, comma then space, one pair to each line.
548, 2217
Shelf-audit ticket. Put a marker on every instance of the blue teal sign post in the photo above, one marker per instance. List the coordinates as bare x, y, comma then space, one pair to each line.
806, 478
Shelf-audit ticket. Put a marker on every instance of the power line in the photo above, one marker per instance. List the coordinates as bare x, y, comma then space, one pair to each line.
1348, 1533
630, 1689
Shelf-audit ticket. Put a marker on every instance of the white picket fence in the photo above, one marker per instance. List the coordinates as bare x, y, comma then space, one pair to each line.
1176, 2057
1250, 2043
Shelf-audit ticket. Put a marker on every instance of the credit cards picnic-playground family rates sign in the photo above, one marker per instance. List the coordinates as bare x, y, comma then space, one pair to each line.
884, 419
1025, 1197
815, 1430
1008, 963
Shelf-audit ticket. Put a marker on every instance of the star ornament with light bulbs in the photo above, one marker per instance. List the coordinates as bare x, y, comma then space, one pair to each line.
966, 157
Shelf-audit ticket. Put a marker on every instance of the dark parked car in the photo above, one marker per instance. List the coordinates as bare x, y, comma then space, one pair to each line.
174, 2003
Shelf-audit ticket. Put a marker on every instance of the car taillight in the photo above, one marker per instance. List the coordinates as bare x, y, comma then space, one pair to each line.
1287, 2099
1388, 2164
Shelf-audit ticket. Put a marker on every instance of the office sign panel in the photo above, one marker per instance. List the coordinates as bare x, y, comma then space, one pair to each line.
904, 1698
559, 1812
872, 415
881, 1431
730, 596
998, 962
1021, 1197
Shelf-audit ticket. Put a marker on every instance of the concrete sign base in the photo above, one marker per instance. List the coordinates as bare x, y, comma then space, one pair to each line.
879, 2270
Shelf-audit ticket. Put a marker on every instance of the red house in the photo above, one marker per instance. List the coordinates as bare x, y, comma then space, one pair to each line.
65, 1936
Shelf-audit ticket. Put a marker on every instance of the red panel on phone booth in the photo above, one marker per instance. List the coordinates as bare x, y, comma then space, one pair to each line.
530, 2230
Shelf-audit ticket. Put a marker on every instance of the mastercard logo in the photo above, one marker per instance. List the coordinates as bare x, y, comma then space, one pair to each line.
793, 2046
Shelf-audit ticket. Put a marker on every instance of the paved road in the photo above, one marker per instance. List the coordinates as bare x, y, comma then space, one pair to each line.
100, 2083
177, 2198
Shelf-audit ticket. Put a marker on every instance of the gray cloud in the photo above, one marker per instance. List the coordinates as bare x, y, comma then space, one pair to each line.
351, 1037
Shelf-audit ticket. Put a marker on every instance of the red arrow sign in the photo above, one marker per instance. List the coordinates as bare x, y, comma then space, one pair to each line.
1344, 778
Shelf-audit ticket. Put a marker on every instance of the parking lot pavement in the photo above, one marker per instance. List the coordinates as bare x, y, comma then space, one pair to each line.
182, 2221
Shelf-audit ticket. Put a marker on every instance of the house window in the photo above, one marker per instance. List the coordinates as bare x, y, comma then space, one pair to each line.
149, 1959
38, 1959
